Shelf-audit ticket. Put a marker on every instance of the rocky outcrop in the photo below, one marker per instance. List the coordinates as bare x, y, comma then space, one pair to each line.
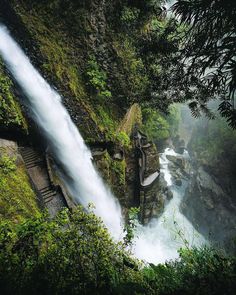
153, 200
210, 208
152, 191
180, 168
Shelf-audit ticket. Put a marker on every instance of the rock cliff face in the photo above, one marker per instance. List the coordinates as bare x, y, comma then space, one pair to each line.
209, 201
87, 54
210, 208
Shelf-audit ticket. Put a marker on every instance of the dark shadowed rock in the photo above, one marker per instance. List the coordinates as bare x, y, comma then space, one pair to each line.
209, 207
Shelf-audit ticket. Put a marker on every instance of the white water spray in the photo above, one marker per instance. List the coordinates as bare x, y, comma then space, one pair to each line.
161, 238
65, 141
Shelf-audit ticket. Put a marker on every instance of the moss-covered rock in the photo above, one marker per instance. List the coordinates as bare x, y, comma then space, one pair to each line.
10, 112
114, 173
17, 199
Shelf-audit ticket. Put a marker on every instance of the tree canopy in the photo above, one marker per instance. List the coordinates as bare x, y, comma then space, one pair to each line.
210, 50
74, 254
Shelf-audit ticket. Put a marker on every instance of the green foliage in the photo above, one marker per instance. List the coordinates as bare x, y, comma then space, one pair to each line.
97, 79
173, 119
131, 225
123, 138
110, 127
199, 271
10, 112
17, 199
133, 67
155, 125
159, 126
114, 174
106, 123
7, 164
210, 44
129, 15
70, 254
119, 168
74, 254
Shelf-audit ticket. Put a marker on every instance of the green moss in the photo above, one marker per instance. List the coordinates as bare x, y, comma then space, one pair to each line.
62, 63
106, 123
132, 117
155, 125
10, 111
7, 164
118, 168
135, 78
124, 139
110, 127
114, 173
17, 199
98, 79
57, 53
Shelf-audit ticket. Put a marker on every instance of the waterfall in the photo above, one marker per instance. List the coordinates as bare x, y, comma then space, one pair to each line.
161, 238
64, 140
156, 242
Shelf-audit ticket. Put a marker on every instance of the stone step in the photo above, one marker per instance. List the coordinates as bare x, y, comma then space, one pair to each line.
49, 197
44, 194
27, 150
30, 161
29, 153
32, 156
33, 164
52, 194
33, 161
46, 188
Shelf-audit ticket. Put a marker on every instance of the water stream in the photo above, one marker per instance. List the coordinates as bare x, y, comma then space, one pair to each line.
157, 241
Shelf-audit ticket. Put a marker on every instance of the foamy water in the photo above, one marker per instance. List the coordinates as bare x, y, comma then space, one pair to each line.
161, 239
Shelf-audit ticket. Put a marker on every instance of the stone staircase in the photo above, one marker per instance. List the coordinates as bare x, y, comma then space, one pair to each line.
31, 157
36, 165
48, 194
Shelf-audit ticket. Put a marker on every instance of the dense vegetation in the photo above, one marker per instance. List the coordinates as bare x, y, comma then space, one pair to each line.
10, 111
107, 57
159, 126
209, 51
17, 199
74, 254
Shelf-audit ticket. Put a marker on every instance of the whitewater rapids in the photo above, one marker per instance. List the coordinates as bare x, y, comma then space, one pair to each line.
161, 239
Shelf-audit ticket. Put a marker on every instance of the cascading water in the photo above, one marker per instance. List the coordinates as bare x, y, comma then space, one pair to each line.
65, 141
161, 238
156, 242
